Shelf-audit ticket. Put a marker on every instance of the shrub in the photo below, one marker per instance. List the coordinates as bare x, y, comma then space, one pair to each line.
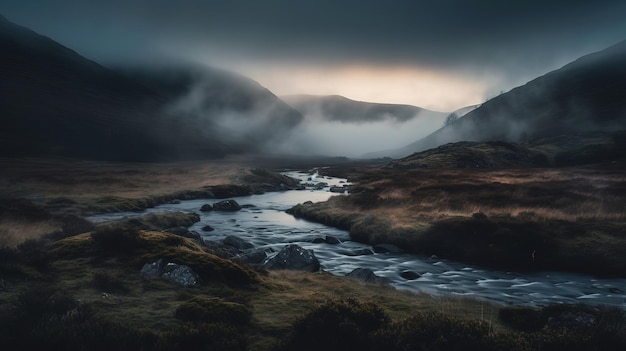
436, 331
203, 336
337, 325
110, 283
112, 240
201, 309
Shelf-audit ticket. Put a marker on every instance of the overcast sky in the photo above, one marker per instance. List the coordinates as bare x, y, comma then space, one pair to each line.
439, 54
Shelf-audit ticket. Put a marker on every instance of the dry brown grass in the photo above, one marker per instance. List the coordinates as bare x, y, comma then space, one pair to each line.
289, 295
15, 231
409, 196
85, 179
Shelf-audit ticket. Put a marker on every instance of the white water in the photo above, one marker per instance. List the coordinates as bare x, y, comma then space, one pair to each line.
266, 225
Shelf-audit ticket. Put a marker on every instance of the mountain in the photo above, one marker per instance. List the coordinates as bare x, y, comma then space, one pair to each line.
587, 95
342, 109
54, 102
209, 103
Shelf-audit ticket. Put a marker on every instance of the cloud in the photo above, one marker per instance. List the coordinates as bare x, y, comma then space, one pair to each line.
498, 43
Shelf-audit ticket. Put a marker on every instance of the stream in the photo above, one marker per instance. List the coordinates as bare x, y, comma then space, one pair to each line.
265, 224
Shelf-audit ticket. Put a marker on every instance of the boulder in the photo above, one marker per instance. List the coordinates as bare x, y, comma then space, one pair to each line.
410, 275
294, 257
152, 270
332, 240
367, 275
237, 242
206, 208
226, 205
208, 228
253, 257
359, 252
387, 248
327, 240
180, 275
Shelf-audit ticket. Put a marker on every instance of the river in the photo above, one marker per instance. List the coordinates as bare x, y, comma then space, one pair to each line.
265, 224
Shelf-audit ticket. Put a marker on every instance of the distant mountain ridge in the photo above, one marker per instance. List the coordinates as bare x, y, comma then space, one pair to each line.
586, 95
54, 102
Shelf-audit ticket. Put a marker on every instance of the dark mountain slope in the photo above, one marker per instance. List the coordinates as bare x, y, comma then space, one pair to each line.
586, 95
54, 102
218, 105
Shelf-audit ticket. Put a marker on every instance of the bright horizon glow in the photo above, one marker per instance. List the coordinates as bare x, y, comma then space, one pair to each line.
430, 89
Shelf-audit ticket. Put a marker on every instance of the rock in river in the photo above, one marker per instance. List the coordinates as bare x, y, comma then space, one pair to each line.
295, 257
367, 275
226, 205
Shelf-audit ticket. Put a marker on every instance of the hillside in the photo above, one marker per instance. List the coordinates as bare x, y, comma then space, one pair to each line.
55, 102
586, 95
342, 109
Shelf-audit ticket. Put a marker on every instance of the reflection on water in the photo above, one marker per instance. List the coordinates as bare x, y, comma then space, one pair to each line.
265, 224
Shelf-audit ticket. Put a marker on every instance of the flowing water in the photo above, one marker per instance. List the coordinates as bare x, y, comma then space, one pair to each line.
265, 224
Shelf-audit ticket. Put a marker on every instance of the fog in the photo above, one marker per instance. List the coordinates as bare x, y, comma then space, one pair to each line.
319, 135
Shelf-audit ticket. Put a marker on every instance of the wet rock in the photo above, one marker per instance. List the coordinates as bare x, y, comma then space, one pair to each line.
175, 202
326, 240
294, 257
208, 228
152, 270
237, 242
387, 248
359, 252
254, 257
410, 275
332, 240
226, 205
180, 275
338, 189
206, 208
367, 275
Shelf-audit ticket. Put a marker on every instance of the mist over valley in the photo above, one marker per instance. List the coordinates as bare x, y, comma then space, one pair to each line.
278, 175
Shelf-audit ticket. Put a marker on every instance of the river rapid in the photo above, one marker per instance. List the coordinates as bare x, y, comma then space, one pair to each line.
264, 223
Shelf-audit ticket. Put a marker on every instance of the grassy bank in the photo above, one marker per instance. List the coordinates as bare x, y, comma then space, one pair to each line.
85, 292
527, 219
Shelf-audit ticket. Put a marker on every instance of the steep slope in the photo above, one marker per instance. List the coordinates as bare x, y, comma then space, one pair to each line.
206, 103
54, 102
586, 95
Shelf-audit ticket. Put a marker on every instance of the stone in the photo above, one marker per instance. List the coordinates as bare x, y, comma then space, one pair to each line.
410, 275
294, 257
332, 240
237, 242
367, 275
387, 248
226, 205
180, 275
359, 252
152, 270
208, 228
253, 257
206, 208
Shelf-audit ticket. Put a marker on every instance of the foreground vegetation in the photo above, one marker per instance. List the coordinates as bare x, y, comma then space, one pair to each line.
84, 292
67, 283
